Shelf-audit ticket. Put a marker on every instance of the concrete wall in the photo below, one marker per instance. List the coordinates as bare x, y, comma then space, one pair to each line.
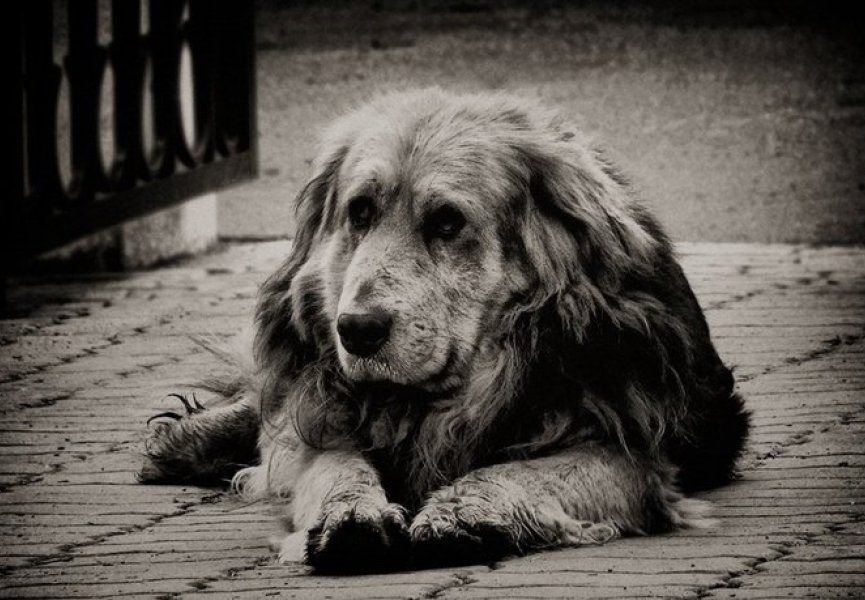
179, 231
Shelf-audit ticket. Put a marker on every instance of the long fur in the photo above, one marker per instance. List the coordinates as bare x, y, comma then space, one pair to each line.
611, 340
600, 353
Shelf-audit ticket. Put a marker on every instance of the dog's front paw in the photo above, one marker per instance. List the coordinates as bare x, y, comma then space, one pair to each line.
450, 533
170, 449
358, 537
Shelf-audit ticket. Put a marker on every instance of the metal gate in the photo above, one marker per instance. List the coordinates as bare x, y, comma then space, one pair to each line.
154, 163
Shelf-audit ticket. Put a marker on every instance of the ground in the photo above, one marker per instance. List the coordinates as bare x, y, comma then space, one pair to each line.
737, 124
87, 359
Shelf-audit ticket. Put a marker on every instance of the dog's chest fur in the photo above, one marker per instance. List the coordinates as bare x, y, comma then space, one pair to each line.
419, 442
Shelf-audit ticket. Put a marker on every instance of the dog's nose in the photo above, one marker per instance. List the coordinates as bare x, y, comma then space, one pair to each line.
363, 334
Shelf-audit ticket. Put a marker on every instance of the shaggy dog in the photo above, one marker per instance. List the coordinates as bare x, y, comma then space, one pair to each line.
479, 345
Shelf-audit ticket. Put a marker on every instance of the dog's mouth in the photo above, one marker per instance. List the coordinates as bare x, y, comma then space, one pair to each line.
378, 369
448, 379
370, 368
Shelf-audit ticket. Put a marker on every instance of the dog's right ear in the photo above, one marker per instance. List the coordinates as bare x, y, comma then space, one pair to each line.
276, 335
314, 205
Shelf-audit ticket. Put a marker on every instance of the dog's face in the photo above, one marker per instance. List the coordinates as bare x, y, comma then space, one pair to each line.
429, 214
415, 264
475, 247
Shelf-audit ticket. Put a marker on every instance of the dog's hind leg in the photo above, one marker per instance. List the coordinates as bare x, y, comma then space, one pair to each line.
203, 446
586, 495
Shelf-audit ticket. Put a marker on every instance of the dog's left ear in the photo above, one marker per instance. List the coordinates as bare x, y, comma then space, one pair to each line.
582, 223
605, 279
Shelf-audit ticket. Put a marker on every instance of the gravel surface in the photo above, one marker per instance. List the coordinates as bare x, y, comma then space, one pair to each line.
735, 126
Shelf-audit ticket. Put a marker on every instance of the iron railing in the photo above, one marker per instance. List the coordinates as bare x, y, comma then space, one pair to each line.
154, 164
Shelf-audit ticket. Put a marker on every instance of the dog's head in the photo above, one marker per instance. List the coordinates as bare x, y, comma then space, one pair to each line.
433, 223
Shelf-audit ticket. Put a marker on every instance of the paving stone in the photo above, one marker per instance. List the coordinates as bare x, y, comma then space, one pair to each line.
86, 361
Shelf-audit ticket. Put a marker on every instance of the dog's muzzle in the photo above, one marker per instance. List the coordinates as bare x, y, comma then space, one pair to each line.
364, 334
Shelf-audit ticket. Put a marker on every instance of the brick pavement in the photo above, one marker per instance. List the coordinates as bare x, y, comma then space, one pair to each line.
85, 360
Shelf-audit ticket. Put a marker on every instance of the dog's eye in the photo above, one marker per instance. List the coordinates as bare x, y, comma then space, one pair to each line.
360, 212
445, 223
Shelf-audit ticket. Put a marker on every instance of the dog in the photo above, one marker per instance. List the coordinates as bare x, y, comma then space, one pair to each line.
481, 344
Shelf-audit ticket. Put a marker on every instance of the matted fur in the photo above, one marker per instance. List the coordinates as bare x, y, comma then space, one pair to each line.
549, 372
